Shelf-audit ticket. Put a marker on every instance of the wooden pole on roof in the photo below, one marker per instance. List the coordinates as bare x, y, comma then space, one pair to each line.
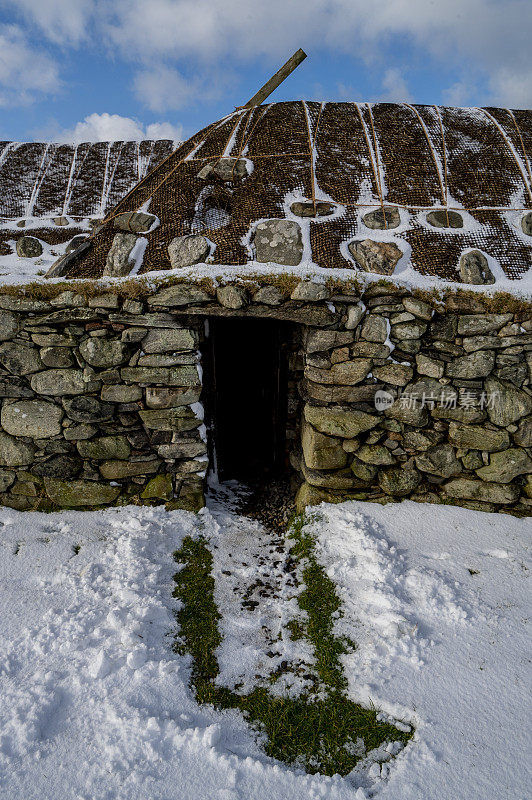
276, 79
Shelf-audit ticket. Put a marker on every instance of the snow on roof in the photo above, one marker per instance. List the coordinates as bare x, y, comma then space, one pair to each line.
40, 180
402, 160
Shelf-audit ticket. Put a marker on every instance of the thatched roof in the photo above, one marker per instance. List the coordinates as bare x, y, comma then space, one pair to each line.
360, 157
84, 180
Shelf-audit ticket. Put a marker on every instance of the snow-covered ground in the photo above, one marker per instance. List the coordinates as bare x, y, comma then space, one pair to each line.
95, 704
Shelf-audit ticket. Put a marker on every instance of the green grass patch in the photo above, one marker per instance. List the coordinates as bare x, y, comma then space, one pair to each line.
318, 731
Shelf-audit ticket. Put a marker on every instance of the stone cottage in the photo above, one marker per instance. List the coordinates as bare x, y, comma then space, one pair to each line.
337, 291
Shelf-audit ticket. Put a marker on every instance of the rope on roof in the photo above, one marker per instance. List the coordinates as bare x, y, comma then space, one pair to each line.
311, 145
433, 153
377, 163
510, 148
194, 149
444, 151
511, 113
372, 159
38, 182
245, 142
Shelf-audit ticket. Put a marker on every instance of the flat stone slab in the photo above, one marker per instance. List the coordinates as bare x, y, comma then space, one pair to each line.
279, 241
34, 418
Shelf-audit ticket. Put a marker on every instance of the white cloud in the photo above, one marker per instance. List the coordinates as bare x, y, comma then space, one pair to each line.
460, 93
164, 130
112, 128
487, 38
162, 88
62, 21
482, 36
512, 88
395, 87
24, 71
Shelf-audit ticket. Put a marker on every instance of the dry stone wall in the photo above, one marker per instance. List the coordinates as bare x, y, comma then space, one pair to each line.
389, 396
407, 400
100, 405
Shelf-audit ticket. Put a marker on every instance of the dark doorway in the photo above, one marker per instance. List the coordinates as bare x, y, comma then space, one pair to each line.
245, 385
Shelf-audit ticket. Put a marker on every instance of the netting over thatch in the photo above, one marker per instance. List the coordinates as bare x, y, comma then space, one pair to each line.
83, 180
360, 157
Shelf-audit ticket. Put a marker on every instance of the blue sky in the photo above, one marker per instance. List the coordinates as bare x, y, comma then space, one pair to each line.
100, 69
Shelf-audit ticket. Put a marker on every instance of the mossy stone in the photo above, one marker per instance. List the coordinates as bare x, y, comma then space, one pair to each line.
79, 493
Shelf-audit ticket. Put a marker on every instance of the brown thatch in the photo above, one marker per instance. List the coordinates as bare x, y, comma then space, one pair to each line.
362, 156
48, 180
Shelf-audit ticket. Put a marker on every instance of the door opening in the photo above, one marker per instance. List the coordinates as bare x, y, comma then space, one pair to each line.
245, 388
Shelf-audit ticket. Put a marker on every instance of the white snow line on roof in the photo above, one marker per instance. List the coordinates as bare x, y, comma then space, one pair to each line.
512, 149
38, 182
232, 139
68, 191
435, 156
112, 175
371, 152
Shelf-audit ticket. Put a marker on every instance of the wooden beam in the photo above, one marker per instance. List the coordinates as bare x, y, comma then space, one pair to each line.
276, 79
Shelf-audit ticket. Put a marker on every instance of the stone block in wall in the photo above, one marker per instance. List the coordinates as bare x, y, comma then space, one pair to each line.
375, 454
103, 353
15, 452
418, 307
114, 470
318, 340
506, 465
60, 382
476, 324
439, 460
336, 480
395, 374
163, 397
408, 330
163, 340
121, 393
9, 325
168, 359
347, 373
345, 423
444, 327
308, 495
190, 496
326, 393
55, 357
180, 418
364, 472
182, 448
59, 466
269, 295
158, 488
470, 489
36, 419
477, 437
105, 447
523, 435
507, 403
374, 328
431, 367
181, 294
411, 413
321, 451
398, 482
87, 409
79, 493
474, 365
20, 358
169, 376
